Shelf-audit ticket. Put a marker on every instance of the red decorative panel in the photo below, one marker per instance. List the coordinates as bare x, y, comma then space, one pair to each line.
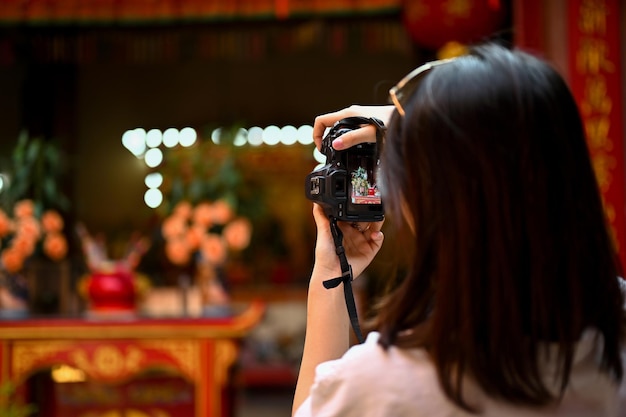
154, 396
108, 361
595, 77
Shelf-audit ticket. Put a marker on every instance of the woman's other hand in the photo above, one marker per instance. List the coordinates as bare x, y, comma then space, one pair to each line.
365, 134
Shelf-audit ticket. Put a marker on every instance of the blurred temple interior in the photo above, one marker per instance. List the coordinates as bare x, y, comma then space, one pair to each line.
155, 238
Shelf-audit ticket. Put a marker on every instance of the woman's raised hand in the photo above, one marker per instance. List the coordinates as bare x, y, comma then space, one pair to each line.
365, 134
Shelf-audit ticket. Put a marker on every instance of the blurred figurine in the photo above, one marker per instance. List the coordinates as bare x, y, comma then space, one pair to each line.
113, 285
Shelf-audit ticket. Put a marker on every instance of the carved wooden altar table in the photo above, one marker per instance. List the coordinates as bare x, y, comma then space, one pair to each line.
111, 350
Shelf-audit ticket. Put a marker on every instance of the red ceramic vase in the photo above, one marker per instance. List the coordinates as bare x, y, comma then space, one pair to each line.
112, 291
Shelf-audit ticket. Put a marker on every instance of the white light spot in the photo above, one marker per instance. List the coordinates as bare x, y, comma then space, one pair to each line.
170, 137
154, 137
134, 141
319, 157
153, 197
255, 136
141, 133
215, 135
288, 135
187, 136
153, 157
154, 180
241, 138
305, 134
271, 135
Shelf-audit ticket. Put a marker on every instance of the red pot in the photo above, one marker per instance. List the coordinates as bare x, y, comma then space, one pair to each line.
111, 291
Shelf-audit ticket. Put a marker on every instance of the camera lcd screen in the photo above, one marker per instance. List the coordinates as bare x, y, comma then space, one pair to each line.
363, 192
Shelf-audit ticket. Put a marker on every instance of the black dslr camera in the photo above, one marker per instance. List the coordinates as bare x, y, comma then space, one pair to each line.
346, 186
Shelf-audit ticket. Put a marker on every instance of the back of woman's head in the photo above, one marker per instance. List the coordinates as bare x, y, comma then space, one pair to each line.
491, 166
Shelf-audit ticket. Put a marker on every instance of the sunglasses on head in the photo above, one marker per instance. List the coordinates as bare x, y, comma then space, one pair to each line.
407, 85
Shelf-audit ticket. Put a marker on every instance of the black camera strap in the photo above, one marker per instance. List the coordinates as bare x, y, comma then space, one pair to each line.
346, 277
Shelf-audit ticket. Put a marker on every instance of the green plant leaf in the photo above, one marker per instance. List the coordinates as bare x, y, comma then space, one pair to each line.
37, 168
33, 150
11, 408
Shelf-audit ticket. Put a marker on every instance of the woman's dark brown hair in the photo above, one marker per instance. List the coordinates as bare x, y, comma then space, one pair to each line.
512, 248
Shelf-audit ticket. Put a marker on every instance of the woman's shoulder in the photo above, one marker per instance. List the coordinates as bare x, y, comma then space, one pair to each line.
370, 377
370, 357
379, 382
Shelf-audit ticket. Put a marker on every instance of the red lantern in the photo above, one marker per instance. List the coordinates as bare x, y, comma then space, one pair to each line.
432, 23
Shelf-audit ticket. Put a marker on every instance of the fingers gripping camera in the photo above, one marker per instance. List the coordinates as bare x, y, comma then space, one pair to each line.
346, 186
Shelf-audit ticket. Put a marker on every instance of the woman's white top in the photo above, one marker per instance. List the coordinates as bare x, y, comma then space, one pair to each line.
369, 381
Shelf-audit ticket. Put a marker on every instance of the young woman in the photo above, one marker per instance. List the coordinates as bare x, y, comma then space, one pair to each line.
512, 304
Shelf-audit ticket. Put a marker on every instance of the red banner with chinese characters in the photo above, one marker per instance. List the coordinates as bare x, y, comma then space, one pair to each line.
595, 78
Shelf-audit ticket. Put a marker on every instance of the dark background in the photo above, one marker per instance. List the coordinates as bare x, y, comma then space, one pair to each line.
92, 84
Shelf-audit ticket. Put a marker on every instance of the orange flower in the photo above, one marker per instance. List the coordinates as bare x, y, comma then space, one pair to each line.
22, 234
173, 226
184, 235
55, 246
29, 227
23, 244
194, 236
203, 214
13, 260
51, 221
183, 209
213, 249
177, 251
237, 233
5, 224
24, 208
222, 212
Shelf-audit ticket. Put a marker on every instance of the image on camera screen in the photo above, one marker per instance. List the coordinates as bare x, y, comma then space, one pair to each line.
363, 187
